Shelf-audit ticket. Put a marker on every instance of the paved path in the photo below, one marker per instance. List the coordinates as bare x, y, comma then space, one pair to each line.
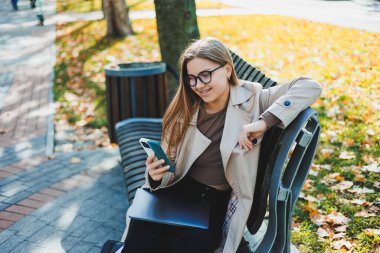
71, 202
26, 68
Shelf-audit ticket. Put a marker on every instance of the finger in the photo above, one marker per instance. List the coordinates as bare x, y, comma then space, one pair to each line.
162, 170
150, 158
242, 143
248, 143
157, 163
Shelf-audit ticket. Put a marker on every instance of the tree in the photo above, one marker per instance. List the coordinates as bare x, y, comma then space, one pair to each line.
177, 26
116, 14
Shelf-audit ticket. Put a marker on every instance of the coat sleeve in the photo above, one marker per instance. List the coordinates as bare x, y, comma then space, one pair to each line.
288, 100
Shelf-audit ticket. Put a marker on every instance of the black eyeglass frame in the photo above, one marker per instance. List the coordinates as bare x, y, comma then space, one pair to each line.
200, 79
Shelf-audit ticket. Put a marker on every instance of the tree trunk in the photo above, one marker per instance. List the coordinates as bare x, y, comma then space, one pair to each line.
177, 26
116, 14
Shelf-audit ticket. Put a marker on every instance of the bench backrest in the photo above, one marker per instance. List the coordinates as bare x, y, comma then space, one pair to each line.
246, 71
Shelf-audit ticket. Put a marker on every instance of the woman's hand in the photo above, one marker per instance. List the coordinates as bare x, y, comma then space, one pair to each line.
250, 132
155, 169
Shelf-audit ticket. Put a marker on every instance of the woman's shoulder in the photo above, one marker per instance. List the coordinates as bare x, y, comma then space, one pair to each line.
251, 86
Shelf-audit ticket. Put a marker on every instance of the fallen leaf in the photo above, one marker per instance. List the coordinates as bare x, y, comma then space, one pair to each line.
341, 243
361, 190
337, 218
360, 178
359, 202
347, 155
364, 214
343, 185
325, 231
310, 198
374, 209
372, 167
317, 218
75, 160
339, 235
348, 142
341, 228
326, 152
372, 232
330, 178
296, 226
326, 167
370, 132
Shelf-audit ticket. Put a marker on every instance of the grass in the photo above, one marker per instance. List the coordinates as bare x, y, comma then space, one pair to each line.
345, 62
134, 5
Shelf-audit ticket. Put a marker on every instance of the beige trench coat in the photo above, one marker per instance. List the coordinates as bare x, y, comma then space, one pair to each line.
246, 103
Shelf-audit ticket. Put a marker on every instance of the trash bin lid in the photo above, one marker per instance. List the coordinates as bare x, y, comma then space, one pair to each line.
134, 69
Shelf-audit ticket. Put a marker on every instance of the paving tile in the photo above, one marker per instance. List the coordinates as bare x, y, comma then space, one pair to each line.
12, 243
77, 224
4, 224
43, 234
97, 235
85, 229
9, 216
5, 235
19, 225
38, 196
12, 191
20, 209
82, 247
17, 198
30, 203
4, 174
68, 242
48, 216
39, 187
31, 228
27, 246
95, 249
52, 192
4, 206
5, 181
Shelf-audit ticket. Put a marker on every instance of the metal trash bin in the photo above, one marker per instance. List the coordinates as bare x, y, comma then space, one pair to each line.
135, 89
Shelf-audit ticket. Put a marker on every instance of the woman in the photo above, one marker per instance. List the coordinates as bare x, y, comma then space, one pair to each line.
208, 130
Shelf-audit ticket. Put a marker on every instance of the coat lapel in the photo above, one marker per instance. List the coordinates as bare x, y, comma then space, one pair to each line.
235, 119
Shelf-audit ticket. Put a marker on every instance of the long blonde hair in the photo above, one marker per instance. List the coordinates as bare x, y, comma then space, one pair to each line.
178, 115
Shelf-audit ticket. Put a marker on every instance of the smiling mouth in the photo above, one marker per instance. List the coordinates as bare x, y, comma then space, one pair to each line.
204, 92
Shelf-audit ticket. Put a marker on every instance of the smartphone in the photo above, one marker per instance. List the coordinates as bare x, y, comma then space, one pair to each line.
152, 146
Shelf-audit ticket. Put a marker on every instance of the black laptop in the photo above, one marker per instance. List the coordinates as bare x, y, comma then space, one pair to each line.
163, 207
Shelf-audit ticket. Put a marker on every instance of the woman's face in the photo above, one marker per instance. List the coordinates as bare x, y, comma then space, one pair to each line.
215, 93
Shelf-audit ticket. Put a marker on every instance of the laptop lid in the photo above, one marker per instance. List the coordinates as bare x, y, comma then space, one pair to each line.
162, 207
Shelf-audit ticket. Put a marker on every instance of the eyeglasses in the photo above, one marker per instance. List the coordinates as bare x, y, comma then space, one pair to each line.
204, 77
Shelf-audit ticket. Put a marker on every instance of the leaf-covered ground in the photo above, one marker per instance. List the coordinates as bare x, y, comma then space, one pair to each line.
95, 5
339, 208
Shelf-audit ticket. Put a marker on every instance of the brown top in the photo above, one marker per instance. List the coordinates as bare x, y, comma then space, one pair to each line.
208, 167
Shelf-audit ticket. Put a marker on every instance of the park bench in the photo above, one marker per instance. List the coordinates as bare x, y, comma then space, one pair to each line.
285, 159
